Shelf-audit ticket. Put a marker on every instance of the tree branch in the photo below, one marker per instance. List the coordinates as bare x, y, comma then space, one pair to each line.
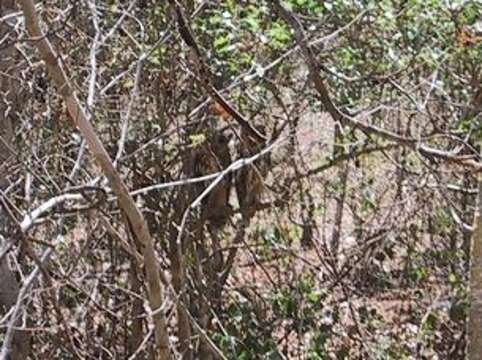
126, 202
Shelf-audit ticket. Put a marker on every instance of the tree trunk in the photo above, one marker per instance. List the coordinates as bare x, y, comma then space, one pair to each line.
9, 285
474, 321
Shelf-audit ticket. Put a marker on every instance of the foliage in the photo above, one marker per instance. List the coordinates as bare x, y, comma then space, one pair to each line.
273, 283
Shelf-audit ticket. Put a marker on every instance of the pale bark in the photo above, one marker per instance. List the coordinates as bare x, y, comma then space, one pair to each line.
126, 202
474, 321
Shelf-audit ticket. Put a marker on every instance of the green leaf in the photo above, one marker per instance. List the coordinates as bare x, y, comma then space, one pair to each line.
197, 139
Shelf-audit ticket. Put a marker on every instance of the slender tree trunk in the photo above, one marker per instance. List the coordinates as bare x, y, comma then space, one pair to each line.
178, 281
9, 286
342, 178
135, 336
474, 321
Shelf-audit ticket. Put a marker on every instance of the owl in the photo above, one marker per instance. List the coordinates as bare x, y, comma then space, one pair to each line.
213, 156
249, 181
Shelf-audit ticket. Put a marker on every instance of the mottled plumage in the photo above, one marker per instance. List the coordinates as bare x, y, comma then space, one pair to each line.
213, 156
249, 181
